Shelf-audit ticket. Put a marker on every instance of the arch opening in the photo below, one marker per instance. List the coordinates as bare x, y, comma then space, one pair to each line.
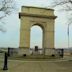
36, 36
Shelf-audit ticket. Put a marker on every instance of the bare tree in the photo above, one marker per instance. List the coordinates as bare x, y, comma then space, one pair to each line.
6, 8
66, 5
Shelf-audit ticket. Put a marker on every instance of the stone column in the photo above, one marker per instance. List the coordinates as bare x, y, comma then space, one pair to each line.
48, 38
24, 33
25, 38
24, 42
48, 42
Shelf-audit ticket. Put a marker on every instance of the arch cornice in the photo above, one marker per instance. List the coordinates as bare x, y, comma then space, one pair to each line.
35, 15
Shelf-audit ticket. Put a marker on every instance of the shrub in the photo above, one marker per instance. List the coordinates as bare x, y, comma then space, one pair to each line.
53, 55
24, 55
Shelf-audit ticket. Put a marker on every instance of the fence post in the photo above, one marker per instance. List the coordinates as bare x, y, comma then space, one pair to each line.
5, 67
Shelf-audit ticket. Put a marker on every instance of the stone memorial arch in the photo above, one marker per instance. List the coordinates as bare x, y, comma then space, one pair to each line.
43, 17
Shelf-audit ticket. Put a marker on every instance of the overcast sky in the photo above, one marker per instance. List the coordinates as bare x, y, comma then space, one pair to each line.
11, 37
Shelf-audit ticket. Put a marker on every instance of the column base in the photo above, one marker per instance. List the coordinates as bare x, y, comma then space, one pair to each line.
49, 51
23, 51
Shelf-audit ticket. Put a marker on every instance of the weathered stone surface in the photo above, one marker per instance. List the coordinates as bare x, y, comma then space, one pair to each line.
42, 17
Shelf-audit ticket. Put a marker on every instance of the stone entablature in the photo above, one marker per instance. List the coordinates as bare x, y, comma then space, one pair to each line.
37, 10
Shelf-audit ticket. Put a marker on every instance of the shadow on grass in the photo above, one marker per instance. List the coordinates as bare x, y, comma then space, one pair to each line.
34, 58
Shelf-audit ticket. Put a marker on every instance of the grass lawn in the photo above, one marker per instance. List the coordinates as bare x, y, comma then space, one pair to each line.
34, 57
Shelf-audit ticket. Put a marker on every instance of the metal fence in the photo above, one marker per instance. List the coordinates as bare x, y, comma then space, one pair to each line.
45, 51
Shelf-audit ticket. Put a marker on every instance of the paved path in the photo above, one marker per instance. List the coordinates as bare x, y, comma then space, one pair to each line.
37, 66
62, 65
